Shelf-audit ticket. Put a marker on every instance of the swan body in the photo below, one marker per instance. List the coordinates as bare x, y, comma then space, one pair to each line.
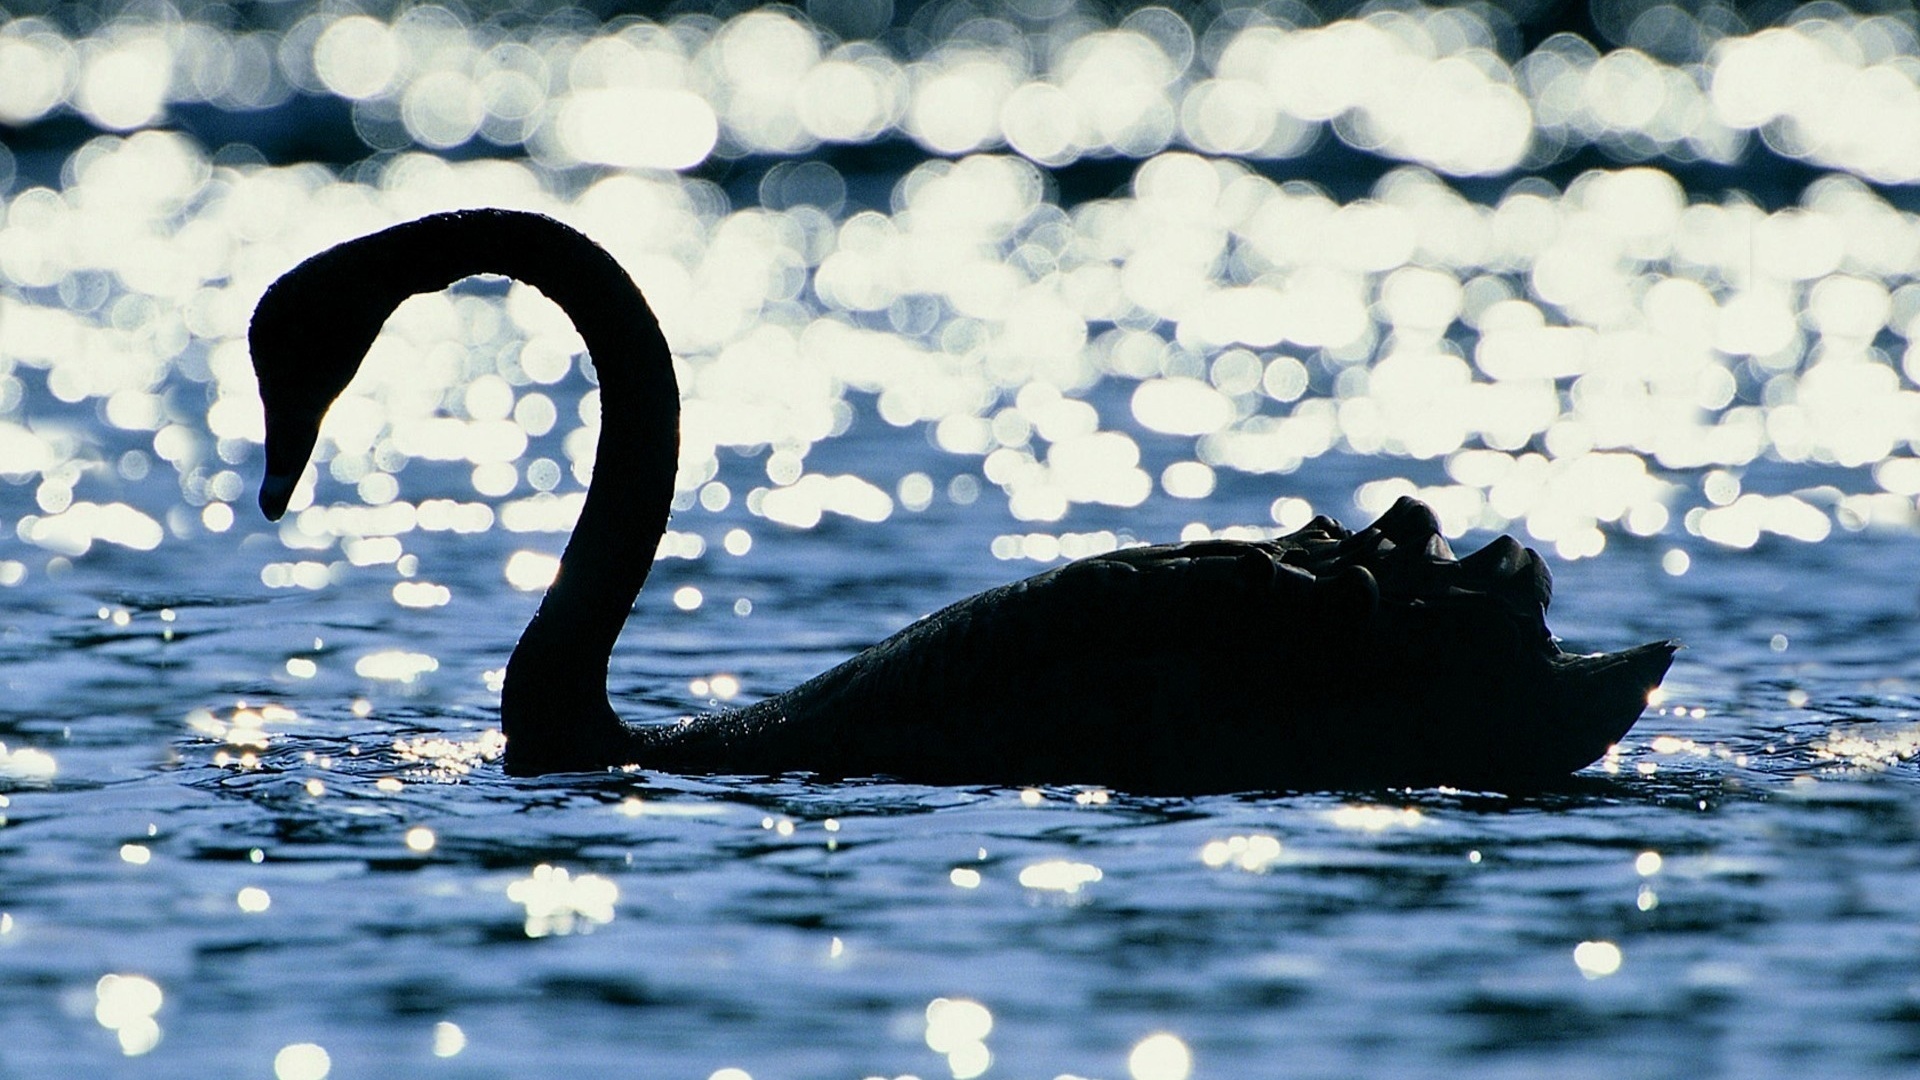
1326, 658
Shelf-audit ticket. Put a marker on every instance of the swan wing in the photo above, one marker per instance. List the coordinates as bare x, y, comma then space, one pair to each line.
1112, 669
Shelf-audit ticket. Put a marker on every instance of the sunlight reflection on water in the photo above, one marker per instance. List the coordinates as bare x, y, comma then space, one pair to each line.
1569, 419
1577, 336
1020, 286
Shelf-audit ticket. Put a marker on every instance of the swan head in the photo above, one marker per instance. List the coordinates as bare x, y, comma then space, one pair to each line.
1470, 681
309, 334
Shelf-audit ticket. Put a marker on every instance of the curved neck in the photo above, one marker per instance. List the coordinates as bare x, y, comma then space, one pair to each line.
562, 656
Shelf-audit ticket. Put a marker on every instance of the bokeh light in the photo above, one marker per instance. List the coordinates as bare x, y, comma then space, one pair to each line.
1094, 265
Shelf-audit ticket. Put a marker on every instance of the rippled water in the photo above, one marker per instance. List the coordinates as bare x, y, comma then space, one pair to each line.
795, 929
250, 820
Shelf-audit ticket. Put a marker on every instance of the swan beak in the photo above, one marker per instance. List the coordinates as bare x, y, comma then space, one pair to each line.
290, 439
276, 489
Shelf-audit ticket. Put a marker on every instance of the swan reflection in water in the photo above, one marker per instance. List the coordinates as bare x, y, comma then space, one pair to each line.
1326, 658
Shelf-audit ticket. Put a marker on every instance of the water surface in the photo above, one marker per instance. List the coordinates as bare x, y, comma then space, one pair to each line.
251, 817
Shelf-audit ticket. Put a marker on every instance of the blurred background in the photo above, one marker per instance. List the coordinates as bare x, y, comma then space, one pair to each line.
1621, 269
957, 290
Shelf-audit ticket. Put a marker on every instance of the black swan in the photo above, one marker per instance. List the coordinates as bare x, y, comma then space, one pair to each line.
1322, 659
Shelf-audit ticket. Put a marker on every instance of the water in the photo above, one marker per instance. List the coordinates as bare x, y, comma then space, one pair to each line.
252, 823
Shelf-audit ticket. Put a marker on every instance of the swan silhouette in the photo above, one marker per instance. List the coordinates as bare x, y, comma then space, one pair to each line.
1322, 659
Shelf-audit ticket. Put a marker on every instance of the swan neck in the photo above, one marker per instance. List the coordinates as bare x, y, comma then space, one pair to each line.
566, 647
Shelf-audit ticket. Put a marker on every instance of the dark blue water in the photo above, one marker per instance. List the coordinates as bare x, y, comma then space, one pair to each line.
252, 821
